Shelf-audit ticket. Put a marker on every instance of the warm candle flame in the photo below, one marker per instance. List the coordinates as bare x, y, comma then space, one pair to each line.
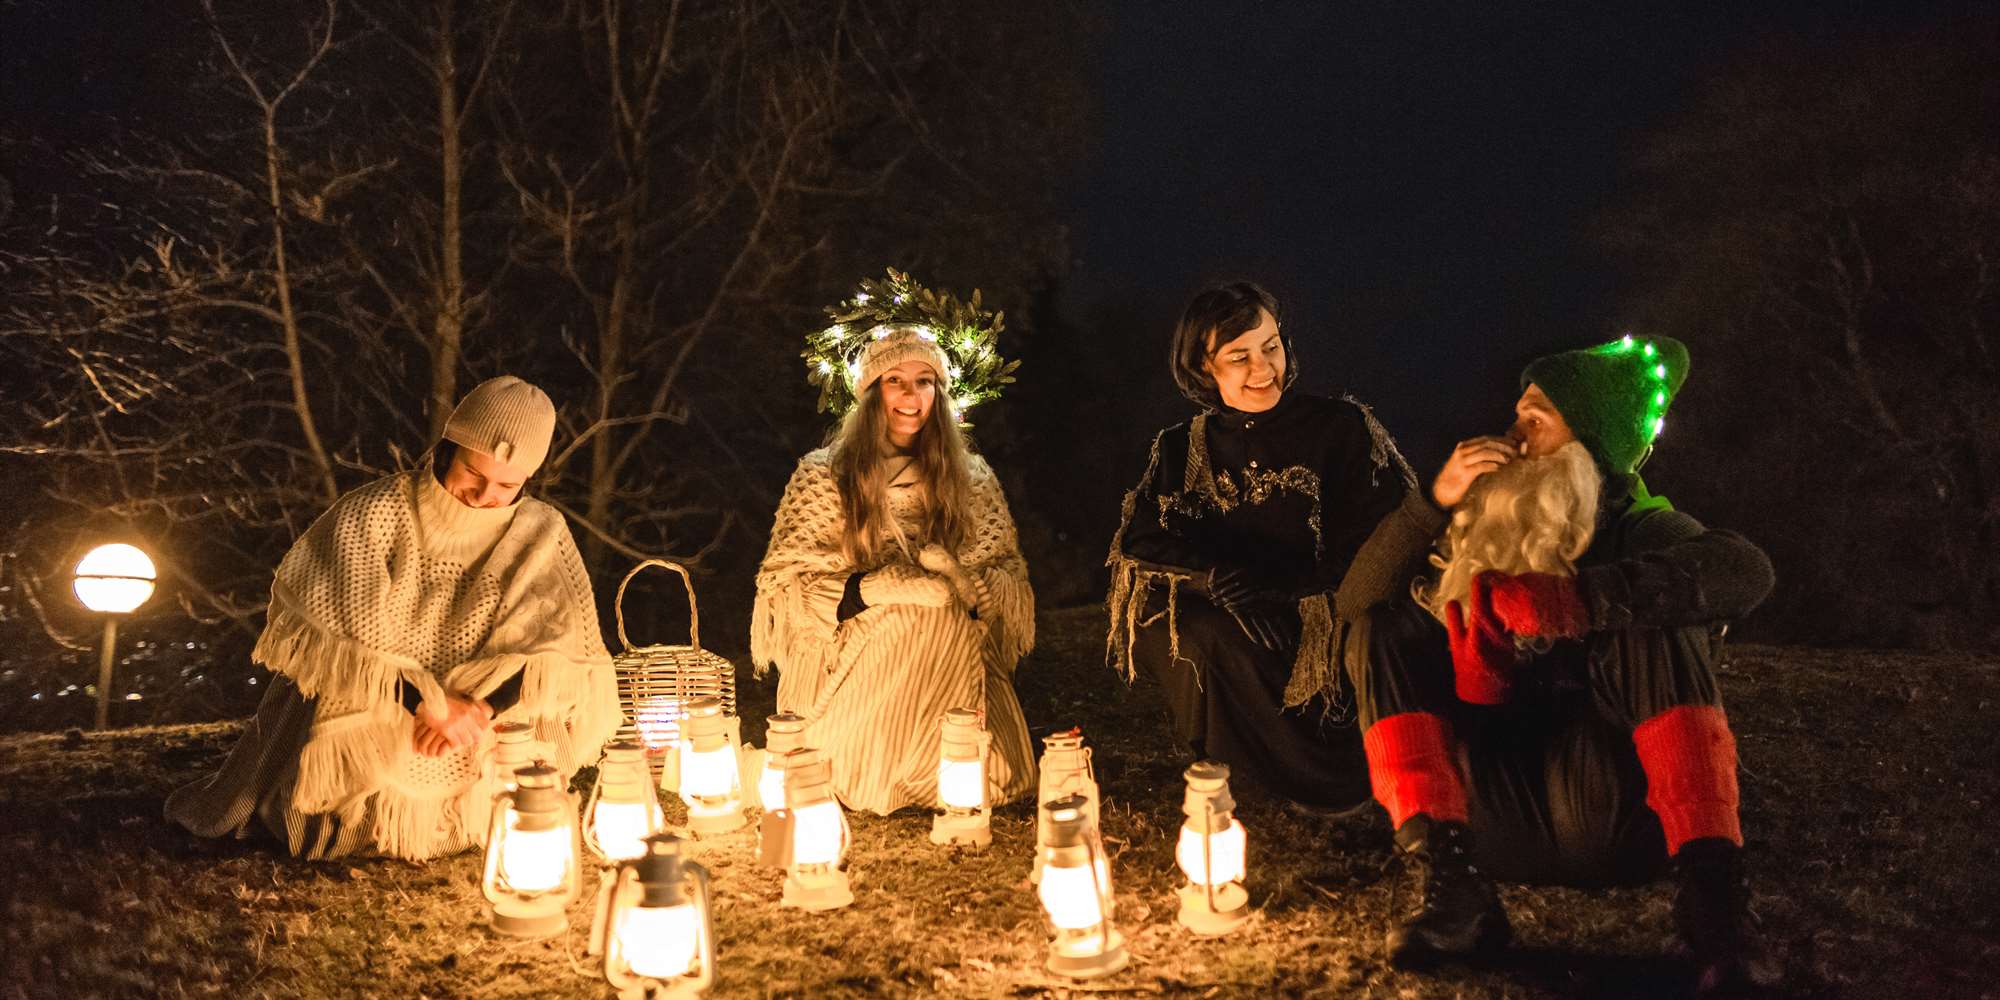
771, 785
1070, 897
816, 834
535, 860
660, 941
1224, 862
620, 829
962, 783
707, 773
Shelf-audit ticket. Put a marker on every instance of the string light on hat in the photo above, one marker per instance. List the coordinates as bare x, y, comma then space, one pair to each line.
1655, 419
964, 330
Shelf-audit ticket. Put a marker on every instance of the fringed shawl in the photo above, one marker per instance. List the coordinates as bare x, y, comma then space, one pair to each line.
357, 609
1316, 665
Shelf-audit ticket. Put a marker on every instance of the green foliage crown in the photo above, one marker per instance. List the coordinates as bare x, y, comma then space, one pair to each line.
964, 330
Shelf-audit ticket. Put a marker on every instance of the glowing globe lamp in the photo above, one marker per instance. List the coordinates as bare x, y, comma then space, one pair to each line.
112, 580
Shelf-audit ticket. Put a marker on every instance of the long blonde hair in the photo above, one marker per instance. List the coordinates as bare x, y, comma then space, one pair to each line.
862, 475
1532, 515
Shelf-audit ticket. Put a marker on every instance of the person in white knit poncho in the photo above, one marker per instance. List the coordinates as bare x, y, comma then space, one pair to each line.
415, 612
894, 589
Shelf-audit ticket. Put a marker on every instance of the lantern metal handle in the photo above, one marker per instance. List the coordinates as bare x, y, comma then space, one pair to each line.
694, 611
706, 977
1208, 851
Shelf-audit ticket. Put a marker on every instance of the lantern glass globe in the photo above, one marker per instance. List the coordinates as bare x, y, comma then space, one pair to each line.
660, 941
535, 860
114, 579
1223, 861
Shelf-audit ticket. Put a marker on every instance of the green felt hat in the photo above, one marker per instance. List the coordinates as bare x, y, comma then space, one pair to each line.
1614, 396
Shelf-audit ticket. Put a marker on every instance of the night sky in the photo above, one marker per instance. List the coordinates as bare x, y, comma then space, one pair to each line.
1415, 181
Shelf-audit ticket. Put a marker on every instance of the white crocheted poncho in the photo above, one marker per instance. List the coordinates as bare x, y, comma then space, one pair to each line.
799, 585
399, 582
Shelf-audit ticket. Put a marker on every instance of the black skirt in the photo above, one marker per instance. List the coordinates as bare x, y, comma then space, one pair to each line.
1226, 695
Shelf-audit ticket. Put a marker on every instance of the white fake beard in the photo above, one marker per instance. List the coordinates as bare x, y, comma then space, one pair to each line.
1532, 515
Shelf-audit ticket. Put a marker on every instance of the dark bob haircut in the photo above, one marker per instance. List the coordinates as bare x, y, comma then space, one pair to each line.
1217, 315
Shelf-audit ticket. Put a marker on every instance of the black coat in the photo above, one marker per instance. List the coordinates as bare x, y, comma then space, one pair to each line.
1290, 493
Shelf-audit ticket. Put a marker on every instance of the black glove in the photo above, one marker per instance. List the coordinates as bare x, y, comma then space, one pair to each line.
1229, 586
1265, 623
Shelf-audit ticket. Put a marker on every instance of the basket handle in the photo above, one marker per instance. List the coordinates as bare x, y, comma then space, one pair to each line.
694, 612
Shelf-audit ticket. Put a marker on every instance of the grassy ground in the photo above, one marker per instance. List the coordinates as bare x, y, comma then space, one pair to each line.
1867, 780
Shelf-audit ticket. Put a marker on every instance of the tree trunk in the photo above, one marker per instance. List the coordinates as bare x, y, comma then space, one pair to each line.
448, 324
605, 462
281, 276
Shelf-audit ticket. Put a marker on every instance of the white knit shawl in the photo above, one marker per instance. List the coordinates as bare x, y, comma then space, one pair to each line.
799, 585
400, 582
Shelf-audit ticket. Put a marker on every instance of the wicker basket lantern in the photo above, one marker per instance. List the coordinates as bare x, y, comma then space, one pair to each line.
654, 682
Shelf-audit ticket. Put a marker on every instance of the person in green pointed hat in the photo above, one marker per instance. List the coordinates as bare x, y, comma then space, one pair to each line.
1613, 398
1533, 659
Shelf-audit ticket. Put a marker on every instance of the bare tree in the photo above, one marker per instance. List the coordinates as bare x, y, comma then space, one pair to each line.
1831, 254
639, 206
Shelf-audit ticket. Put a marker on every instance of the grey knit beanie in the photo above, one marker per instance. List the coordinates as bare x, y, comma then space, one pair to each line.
506, 418
889, 346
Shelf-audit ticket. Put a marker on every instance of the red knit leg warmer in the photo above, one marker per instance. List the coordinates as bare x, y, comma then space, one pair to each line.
1690, 761
1413, 767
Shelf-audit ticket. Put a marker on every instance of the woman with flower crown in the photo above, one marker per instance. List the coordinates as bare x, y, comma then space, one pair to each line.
894, 588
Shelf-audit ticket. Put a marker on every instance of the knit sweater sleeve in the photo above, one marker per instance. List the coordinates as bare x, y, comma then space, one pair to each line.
1365, 479
1391, 557
1674, 573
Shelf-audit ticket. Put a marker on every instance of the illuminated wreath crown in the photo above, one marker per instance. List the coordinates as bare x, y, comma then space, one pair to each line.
964, 330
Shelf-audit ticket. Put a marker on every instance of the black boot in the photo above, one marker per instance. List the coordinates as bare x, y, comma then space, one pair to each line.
1459, 914
1712, 911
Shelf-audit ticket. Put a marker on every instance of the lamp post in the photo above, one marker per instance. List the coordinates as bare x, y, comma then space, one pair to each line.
532, 855
783, 733
704, 768
1065, 770
112, 580
814, 878
654, 925
624, 808
962, 746
1076, 895
1211, 853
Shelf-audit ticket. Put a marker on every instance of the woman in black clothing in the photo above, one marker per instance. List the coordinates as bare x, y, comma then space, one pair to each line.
1231, 544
